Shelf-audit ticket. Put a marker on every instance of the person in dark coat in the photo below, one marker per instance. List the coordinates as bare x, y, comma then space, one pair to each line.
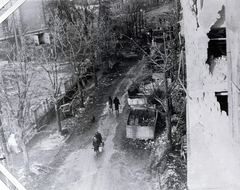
97, 139
116, 103
95, 144
110, 104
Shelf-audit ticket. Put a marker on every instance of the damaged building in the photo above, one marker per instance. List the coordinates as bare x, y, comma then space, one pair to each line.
212, 36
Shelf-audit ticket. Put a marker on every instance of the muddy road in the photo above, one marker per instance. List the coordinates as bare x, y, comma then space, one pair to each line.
121, 166
73, 165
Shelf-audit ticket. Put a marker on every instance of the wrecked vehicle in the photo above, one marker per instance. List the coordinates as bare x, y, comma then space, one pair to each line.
142, 117
141, 124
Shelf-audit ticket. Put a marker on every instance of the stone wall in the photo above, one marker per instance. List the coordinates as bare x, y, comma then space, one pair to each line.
213, 155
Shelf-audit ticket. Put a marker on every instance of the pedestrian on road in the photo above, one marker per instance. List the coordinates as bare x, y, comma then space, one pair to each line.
97, 140
99, 137
116, 103
110, 104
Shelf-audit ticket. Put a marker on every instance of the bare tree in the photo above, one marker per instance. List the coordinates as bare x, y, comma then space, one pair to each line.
106, 36
165, 60
15, 94
72, 31
52, 82
15, 104
129, 20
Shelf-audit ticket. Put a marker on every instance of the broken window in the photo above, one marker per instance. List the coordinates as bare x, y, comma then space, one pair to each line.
43, 38
222, 98
217, 42
217, 38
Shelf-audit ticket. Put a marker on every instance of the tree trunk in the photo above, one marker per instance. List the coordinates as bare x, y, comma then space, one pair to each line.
80, 92
95, 77
19, 130
25, 157
25, 154
57, 111
3, 142
168, 114
168, 123
8, 161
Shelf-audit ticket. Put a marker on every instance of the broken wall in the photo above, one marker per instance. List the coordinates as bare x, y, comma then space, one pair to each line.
213, 155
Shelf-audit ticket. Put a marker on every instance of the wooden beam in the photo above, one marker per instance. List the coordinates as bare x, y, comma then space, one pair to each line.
11, 178
3, 186
2, 4
13, 8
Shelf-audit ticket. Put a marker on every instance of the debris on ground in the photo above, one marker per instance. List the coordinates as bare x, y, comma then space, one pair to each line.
168, 166
173, 172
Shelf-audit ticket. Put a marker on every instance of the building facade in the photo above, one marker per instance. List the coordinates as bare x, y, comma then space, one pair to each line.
29, 20
211, 30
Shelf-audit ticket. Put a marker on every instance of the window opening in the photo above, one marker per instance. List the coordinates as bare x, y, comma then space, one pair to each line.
217, 38
222, 98
41, 38
217, 43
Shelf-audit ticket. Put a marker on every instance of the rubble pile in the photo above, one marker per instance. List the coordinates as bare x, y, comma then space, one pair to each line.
138, 144
173, 172
69, 123
56, 137
159, 149
170, 168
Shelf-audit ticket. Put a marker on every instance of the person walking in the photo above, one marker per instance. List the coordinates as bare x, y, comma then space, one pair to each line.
116, 103
110, 104
97, 140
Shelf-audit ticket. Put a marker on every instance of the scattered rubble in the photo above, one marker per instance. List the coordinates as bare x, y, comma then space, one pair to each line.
168, 166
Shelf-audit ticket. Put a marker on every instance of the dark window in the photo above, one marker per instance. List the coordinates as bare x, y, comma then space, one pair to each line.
222, 98
217, 43
41, 38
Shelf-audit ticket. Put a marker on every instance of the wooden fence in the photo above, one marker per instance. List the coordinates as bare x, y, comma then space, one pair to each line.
42, 113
